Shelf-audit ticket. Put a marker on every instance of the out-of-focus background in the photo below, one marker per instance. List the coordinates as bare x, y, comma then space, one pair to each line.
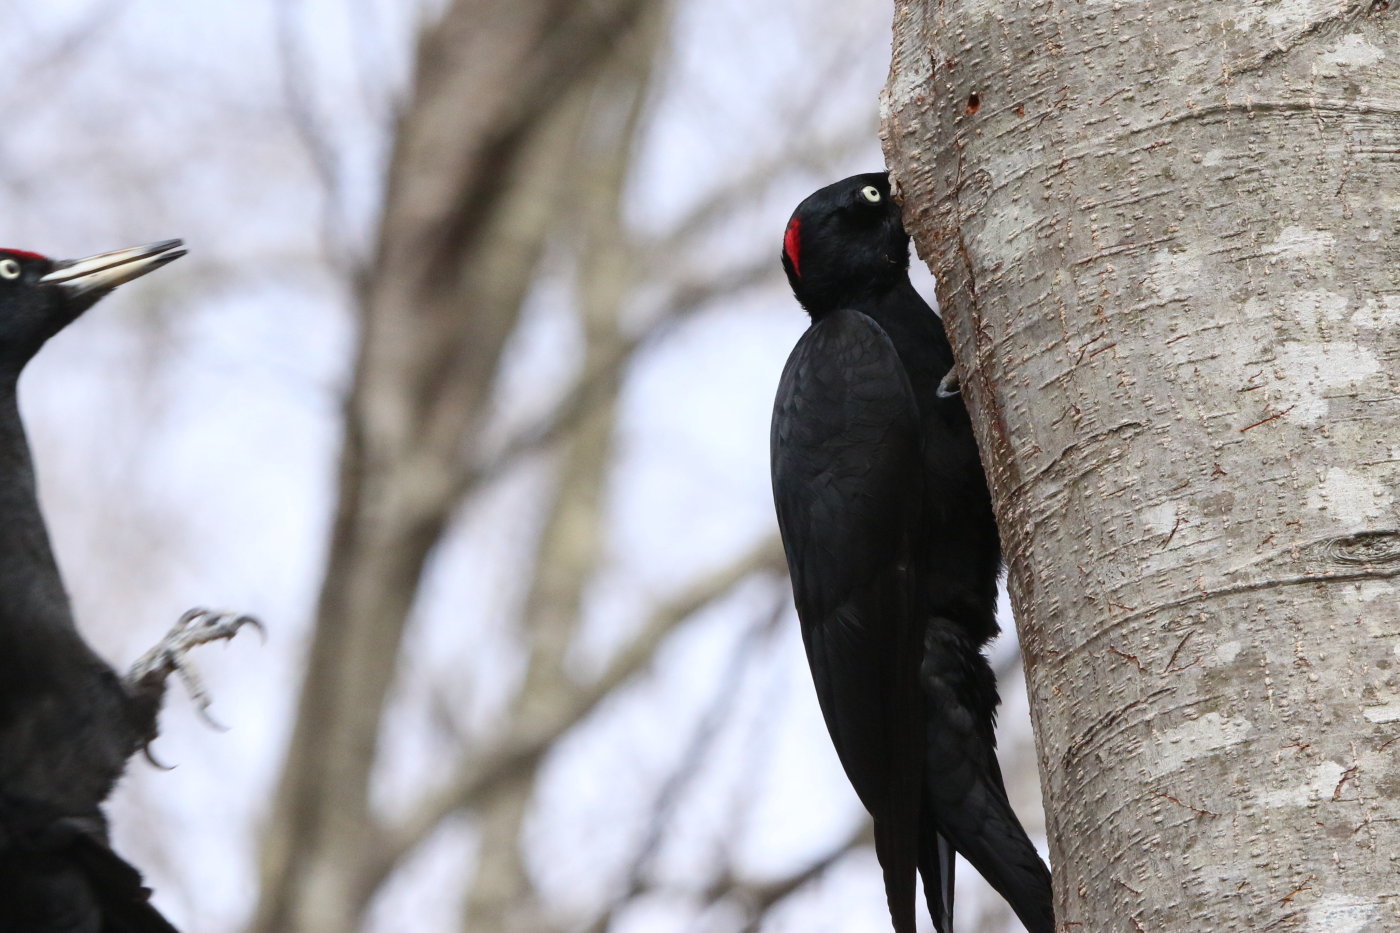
561, 685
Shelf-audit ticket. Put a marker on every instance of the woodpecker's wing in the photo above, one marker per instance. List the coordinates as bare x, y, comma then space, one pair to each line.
965, 799
847, 485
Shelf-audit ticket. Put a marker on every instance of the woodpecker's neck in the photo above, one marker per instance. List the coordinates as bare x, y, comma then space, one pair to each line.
820, 298
16, 466
31, 590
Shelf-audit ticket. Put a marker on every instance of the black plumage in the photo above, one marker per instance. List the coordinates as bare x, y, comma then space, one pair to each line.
68, 723
894, 557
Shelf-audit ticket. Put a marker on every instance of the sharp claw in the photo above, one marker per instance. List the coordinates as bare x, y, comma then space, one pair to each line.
195, 627
202, 710
189, 615
155, 762
252, 621
194, 686
949, 385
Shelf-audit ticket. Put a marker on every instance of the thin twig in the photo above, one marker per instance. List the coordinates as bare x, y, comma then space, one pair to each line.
483, 772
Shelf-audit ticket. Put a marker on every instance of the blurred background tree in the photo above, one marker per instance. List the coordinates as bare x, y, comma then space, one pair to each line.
464, 389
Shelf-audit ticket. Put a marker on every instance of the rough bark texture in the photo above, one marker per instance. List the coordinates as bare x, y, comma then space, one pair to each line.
1168, 243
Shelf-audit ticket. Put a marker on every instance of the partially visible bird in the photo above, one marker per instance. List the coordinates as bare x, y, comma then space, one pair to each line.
894, 555
68, 722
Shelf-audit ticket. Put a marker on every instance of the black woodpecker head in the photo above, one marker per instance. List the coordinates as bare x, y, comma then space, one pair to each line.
41, 296
845, 242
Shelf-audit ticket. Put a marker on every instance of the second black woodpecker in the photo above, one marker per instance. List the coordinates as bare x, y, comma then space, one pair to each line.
894, 556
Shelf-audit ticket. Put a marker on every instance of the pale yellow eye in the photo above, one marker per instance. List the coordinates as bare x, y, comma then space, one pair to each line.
871, 194
9, 269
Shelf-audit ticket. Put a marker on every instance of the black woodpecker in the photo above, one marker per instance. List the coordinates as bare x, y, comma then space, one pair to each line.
68, 722
894, 555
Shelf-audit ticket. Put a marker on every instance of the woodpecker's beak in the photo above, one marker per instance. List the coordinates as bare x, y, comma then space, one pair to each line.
106, 271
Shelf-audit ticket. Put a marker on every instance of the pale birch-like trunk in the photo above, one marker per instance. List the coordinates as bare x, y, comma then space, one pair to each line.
1168, 243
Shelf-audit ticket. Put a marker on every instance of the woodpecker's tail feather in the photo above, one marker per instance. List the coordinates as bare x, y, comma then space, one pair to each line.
986, 832
937, 861
895, 853
964, 796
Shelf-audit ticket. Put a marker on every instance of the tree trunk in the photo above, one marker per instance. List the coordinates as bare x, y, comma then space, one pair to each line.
1168, 244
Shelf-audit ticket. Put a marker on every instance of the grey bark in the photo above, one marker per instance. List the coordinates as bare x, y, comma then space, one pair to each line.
1168, 244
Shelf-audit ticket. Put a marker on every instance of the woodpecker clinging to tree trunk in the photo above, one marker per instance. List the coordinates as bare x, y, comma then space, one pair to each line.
894, 557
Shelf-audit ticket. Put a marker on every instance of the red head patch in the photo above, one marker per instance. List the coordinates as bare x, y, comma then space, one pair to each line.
22, 253
792, 245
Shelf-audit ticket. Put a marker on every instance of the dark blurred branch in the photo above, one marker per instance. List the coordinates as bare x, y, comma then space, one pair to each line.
804, 147
758, 899
550, 44
484, 173
752, 184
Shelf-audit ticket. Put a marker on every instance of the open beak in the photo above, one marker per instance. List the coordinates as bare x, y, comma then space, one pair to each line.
106, 271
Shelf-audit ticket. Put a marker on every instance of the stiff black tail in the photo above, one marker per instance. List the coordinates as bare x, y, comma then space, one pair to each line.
937, 861
986, 832
895, 850
964, 796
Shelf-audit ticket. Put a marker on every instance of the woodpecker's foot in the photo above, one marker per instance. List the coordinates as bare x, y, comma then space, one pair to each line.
145, 682
949, 385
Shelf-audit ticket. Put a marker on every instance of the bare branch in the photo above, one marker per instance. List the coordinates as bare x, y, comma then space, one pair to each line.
485, 772
96, 24
314, 139
691, 760
760, 898
597, 381
501, 896
689, 765
741, 189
